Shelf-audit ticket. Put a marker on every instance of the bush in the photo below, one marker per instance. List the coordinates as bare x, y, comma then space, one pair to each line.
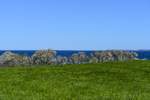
44, 57
62, 60
79, 58
105, 56
49, 57
10, 59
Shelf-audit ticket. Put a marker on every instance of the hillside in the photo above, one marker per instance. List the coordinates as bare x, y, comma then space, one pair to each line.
115, 81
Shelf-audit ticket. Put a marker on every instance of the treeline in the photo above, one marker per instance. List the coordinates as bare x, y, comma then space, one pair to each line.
50, 57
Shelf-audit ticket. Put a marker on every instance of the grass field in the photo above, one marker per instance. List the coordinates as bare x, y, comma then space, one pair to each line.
107, 81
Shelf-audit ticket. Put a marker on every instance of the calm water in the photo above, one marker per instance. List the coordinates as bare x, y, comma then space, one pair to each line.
141, 53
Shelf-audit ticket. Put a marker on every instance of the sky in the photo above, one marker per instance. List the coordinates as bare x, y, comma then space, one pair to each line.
74, 24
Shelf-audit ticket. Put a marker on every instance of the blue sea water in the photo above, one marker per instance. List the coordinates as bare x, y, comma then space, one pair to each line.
66, 53
142, 54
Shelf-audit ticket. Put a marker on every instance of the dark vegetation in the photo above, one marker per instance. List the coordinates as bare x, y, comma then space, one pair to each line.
49, 57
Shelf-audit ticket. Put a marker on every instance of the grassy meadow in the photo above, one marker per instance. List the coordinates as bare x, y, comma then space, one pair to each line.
105, 81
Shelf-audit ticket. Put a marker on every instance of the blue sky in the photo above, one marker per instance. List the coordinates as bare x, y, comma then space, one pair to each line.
74, 24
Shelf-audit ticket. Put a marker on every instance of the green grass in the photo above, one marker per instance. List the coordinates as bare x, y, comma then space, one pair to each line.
107, 81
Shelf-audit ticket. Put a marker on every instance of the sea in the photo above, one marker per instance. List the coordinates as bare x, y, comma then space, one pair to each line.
142, 54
